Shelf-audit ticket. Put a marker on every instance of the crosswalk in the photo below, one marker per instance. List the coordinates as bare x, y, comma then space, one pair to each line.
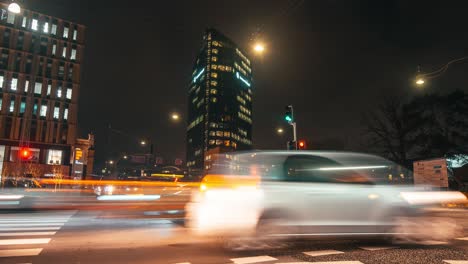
26, 234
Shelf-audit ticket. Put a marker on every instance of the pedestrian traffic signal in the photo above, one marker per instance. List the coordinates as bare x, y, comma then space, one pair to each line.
301, 144
288, 116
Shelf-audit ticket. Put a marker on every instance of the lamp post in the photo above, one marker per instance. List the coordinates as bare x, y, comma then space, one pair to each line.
14, 7
422, 78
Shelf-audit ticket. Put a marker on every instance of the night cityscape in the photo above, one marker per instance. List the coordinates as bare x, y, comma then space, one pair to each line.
185, 132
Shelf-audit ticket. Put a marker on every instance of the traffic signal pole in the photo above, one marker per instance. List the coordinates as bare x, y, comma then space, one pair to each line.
289, 117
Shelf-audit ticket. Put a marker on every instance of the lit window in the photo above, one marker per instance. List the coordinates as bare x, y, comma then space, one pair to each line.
14, 84
43, 110
214, 75
213, 91
215, 51
54, 49
69, 93
49, 87
215, 43
34, 24
212, 133
227, 143
25, 22
65, 114
53, 30
46, 27
73, 54
227, 133
22, 107
38, 88
214, 99
26, 86
219, 133
75, 34
56, 112
65, 32
214, 66
214, 59
11, 18
1, 81
211, 142
214, 83
12, 106
64, 52
59, 93
219, 142
54, 157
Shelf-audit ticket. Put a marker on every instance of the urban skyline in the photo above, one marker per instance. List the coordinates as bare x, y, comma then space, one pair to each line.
385, 56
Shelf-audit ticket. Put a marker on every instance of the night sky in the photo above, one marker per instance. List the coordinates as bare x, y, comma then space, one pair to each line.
332, 59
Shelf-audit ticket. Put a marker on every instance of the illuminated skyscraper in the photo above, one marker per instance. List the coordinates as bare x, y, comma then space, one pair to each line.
219, 101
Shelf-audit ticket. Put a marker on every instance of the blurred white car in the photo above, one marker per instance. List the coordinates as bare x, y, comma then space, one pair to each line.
287, 194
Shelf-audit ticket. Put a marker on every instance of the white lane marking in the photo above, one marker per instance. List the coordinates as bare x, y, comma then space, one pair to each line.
339, 262
20, 252
28, 234
24, 241
34, 224
456, 261
433, 242
322, 252
463, 238
376, 248
248, 260
30, 228
10, 197
3, 221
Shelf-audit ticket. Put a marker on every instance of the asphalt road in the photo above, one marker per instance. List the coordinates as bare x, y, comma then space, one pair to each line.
158, 236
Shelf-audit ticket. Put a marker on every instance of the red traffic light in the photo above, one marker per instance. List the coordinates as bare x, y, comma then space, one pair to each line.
301, 144
25, 153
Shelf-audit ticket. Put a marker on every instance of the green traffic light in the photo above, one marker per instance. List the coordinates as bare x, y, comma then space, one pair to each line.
288, 118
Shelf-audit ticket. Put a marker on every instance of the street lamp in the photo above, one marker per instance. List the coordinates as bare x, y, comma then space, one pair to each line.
175, 116
280, 131
422, 78
111, 162
259, 48
14, 8
143, 143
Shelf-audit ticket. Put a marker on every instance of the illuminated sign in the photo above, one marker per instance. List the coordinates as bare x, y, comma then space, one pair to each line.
242, 79
198, 75
78, 154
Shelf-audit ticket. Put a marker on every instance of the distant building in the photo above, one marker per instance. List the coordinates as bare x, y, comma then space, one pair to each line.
40, 66
219, 100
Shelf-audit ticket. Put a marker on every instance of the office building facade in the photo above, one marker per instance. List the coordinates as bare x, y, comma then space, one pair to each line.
40, 64
219, 101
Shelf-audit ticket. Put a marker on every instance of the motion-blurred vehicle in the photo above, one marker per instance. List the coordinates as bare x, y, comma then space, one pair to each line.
290, 194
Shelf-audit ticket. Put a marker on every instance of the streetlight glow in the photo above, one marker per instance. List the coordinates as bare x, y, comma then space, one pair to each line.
420, 81
14, 8
280, 131
111, 162
143, 143
259, 48
175, 116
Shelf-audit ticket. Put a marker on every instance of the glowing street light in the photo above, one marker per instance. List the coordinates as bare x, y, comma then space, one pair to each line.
111, 162
420, 81
175, 116
143, 143
259, 48
125, 157
14, 8
280, 130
